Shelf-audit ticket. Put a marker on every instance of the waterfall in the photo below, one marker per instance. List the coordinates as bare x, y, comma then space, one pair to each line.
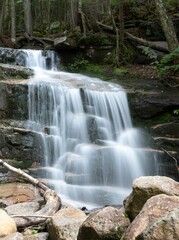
91, 149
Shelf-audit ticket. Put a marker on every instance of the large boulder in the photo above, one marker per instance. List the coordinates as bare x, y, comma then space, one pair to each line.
154, 209
144, 188
165, 228
65, 224
7, 225
108, 223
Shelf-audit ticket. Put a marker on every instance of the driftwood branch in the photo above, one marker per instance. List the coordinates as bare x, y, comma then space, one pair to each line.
30, 179
52, 200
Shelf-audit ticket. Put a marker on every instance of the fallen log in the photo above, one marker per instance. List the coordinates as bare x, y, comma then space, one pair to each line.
140, 41
52, 200
146, 43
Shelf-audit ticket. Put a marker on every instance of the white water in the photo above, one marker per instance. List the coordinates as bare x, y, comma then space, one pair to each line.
90, 146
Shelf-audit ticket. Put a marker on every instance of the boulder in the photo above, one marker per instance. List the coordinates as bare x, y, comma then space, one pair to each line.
154, 209
165, 228
108, 223
144, 188
65, 224
13, 236
7, 225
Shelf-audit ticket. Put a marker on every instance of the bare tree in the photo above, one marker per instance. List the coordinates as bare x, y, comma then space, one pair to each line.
167, 25
28, 17
80, 11
13, 22
2, 13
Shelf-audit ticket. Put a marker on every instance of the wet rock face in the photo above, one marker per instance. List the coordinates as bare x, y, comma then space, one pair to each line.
20, 146
13, 100
8, 71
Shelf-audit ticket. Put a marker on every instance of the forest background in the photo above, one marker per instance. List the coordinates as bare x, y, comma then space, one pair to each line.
117, 27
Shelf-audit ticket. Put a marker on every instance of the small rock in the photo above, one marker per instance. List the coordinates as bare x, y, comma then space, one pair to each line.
14, 236
37, 236
7, 225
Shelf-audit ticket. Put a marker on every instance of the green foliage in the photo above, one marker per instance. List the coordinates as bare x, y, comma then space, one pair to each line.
168, 65
172, 3
151, 54
176, 112
34, 231
85, 67
78, 64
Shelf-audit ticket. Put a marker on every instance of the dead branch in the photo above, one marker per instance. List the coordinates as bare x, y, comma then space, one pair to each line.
52, 200
105, 27
176, 162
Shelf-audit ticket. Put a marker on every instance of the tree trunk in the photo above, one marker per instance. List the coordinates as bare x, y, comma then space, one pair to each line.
167, 25
121, 22
3, 4
80, 11
28, 17
116, 32
13, 22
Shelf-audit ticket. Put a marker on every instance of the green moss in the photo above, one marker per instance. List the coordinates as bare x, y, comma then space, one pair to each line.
120, 71
159, 119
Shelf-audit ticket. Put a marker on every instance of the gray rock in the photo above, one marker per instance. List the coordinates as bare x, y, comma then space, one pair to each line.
65, 224
166, 228
9, 71
108, 223
23, 208
37, 236
13, 236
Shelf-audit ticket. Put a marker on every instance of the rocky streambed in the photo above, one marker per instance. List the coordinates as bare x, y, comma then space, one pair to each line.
150, 212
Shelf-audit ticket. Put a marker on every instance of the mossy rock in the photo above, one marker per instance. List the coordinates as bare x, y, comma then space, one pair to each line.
10, 71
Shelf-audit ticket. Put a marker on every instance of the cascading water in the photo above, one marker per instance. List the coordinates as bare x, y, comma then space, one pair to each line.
90, 146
